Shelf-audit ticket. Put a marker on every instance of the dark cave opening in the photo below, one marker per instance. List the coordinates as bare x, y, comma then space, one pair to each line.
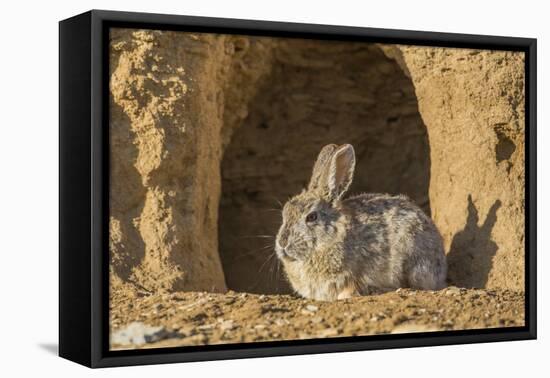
318, 92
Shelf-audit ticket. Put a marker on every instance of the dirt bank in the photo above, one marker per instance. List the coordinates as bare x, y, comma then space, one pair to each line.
198, 318
210, 132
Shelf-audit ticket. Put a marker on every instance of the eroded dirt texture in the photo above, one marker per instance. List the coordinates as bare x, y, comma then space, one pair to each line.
211, 133
199, 318
473, 105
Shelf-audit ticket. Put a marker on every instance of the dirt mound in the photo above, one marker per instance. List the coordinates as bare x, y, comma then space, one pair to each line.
198, 318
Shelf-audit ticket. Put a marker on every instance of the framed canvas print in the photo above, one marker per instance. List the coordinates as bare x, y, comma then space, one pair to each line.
233, 188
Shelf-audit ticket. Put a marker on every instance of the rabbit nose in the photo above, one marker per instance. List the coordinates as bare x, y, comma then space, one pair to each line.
282, 239
282, 246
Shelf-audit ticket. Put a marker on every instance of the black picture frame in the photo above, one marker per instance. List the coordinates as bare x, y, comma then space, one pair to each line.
84, 183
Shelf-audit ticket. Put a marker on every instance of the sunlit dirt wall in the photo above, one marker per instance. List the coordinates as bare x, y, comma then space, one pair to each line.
209, 133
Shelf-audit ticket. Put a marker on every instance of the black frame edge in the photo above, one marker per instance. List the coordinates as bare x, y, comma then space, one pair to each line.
531, 186
100, 189
237, 352
75, 336
288, 29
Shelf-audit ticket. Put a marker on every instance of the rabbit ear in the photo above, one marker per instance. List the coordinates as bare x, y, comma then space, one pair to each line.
340, 171
319, 175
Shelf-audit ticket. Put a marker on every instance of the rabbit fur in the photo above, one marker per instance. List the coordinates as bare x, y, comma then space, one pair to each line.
334, 248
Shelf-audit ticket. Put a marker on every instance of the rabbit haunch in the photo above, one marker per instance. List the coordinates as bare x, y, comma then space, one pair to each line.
333, 248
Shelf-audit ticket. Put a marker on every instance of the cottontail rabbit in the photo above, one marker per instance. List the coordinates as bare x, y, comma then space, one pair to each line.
334, 248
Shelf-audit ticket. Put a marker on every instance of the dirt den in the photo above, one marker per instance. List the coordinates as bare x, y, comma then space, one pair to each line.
200, 318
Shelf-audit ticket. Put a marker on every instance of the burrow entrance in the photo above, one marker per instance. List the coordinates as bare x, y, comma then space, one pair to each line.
318, 92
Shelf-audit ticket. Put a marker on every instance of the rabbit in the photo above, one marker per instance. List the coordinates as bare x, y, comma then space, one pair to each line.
333, 248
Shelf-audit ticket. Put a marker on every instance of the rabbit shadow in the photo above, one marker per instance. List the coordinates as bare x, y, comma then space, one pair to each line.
472, 250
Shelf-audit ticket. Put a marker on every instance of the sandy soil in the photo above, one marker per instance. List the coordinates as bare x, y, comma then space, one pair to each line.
197, 318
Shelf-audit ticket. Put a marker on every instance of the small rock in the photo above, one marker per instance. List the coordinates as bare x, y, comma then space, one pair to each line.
187, 331
270, 308
281, 322
311, 308
227, 325
259, 326
328, 332
412, 328
205, 327
200, 338
199, 317
138, 333
400, 319
452, 290
317, 319
230, 301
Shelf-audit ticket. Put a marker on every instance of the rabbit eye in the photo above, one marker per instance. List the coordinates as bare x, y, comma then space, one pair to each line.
311, 217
